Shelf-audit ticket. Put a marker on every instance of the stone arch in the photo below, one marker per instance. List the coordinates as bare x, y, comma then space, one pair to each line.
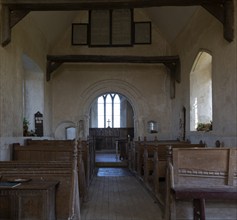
60, 131
124, 88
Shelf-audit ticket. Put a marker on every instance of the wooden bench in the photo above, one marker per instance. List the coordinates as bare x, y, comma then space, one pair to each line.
200, 179
51, 171
56, 150
60, 150
155, 163
137, 150
27, 200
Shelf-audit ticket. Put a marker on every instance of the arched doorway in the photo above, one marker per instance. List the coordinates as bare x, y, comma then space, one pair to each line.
111, 128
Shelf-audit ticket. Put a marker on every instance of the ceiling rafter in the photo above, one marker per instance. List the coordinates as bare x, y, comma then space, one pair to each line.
13, 11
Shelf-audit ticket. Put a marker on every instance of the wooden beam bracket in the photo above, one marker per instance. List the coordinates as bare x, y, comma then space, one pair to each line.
224, 12
9, 20
51, 67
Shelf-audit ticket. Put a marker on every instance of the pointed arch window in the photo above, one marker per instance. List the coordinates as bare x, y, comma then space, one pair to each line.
109, 110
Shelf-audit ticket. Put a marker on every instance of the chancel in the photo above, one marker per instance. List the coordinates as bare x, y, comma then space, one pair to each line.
119, 109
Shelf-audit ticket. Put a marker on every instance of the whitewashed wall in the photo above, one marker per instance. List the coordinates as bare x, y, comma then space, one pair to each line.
147, 87
74, 87
28, 40
206, 32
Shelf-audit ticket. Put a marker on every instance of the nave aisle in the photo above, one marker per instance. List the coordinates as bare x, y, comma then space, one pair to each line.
115, 194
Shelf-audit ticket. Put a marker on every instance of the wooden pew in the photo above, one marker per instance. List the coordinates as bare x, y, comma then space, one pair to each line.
47, 150
32, 142
199, 180
66, 204
50, 150
87, 151
138, 153
155, 163
27, 200
139, 148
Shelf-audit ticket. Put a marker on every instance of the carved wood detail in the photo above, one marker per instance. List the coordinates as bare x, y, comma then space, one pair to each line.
201, 172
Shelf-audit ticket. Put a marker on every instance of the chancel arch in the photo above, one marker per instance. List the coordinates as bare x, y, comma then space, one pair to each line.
132, 94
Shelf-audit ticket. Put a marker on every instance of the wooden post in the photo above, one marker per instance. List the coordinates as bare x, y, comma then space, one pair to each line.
6, 29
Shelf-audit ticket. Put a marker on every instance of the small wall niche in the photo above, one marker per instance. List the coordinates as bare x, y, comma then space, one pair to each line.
152, 127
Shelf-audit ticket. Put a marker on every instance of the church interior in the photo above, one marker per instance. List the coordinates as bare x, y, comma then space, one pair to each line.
118, 110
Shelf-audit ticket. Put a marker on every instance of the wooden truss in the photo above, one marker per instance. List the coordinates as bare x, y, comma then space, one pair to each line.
13, 11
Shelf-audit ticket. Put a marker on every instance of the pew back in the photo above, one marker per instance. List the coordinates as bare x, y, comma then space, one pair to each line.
200, 179
50, 171
205, 167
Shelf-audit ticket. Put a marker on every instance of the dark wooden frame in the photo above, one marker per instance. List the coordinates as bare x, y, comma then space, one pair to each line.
82, 40
110, 43
90, 30
146, 29
13, 12
130, 41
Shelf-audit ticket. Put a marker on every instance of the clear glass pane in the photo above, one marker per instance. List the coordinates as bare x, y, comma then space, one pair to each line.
117, 121
116, 99
101, 112
108, 111
116, 111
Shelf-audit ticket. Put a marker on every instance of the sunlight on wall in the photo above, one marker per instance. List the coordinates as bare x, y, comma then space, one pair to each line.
201, 91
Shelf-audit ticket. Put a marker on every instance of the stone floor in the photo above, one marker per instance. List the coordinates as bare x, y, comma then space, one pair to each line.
106, 157
115, 194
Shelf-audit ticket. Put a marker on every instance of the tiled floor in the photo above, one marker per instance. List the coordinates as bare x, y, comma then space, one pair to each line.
115, 194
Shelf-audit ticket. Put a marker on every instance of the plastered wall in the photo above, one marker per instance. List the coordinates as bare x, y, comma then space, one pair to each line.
72, 89
146, 86
204, 32
26, 39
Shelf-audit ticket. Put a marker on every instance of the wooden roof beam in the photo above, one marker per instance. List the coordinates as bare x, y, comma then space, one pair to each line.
172, 64
43, 5
13, 11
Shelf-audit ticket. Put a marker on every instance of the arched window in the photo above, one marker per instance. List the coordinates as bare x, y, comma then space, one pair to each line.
108, 110
201, 93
